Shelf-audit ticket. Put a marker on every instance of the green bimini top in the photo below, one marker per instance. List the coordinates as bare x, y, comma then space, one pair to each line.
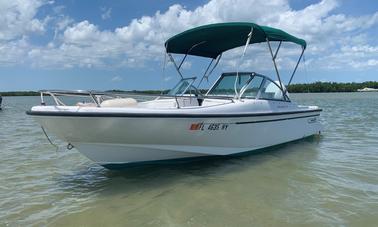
213, 39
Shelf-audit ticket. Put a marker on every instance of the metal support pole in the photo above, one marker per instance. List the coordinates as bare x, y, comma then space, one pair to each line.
182, 61
278, 48
295, 69
211, 71
240, 60
275, 67
195, 45
208, 67
174, 63
204, 75
94, 99
42, 100
216, 63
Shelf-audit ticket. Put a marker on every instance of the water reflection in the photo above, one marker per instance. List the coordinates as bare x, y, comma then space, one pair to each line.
95, 178
326, 180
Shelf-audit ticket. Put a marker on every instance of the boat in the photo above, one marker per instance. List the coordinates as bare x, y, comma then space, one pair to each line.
367, 89
241, 112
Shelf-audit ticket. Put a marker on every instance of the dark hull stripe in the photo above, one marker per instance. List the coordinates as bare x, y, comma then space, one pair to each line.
168, 115
281, 119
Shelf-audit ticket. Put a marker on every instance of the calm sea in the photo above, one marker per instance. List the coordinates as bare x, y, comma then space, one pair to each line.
326, 180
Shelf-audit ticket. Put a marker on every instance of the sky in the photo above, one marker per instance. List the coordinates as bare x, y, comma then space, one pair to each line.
105, 44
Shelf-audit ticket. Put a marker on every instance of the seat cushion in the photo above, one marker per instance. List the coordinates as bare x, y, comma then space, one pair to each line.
119, 102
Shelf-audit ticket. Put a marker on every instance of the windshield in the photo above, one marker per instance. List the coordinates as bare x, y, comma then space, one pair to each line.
271, 90
253, 88
181, 87
225, 85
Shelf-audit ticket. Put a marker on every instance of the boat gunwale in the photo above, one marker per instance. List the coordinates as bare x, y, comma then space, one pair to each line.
162, 115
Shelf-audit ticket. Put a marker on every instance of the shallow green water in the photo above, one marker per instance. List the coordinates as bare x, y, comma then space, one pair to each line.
327, 180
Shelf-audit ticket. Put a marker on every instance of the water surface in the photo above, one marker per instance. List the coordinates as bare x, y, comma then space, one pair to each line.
326, 180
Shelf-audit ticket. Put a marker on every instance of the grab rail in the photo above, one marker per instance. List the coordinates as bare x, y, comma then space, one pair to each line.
98, 96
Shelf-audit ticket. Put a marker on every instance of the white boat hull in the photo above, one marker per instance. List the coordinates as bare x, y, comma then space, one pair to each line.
120, 140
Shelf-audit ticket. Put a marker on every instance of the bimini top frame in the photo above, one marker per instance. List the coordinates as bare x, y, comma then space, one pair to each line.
212, 40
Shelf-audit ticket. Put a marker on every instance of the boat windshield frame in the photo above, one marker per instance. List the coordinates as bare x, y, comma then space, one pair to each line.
243, 89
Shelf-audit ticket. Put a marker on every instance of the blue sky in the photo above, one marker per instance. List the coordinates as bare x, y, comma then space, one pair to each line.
105, 45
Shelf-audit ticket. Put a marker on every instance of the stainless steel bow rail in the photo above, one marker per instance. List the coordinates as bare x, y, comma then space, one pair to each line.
56, 94
99, 96
96, 96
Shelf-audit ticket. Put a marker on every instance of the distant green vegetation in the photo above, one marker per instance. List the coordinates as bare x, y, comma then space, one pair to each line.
152, 92
19, 93
316, 87
330, 87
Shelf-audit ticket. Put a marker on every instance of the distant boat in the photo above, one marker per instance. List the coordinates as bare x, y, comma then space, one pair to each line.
367, 89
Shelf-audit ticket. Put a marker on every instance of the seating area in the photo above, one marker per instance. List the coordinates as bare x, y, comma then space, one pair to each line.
119, 102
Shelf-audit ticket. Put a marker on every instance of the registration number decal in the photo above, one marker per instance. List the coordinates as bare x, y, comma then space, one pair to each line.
208, 126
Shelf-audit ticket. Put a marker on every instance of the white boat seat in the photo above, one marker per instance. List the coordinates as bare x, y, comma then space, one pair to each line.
119, 102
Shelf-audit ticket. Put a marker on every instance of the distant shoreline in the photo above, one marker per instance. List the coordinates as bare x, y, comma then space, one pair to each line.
328, 87
19, 93
316, 87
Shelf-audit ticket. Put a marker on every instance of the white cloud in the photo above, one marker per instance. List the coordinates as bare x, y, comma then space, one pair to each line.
357, 57
364, 64
106, 13
18, 18
334, 40
117, 79
187, 65
58, 9
63, 22
13, 52
82, 33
